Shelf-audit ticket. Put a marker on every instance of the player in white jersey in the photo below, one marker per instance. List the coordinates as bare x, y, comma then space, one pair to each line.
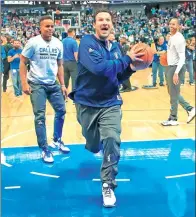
45, 54
174, 74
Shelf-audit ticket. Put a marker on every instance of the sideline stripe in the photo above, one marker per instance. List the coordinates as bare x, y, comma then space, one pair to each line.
12, 187
180, 175
82, 143
118, 180
43, 174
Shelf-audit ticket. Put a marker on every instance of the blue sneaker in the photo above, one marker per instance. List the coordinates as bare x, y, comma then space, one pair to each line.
47, 156
60, 145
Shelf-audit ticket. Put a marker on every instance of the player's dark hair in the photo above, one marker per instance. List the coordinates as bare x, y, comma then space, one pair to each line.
102, 11
46, 17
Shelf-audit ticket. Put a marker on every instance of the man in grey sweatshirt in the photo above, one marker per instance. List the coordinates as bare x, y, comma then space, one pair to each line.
174, 73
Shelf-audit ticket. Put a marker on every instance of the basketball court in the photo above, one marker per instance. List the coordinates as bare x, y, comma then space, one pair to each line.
156, 178
156, 171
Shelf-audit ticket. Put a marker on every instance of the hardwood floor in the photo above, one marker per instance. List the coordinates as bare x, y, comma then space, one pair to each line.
143, 110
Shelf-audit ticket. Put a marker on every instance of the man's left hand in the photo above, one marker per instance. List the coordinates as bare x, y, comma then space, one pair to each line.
64, 91
176, 79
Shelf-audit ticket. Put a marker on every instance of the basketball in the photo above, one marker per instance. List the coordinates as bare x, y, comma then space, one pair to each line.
147, 57
163, 59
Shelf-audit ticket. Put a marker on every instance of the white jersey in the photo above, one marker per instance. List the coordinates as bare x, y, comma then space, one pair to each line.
43, 56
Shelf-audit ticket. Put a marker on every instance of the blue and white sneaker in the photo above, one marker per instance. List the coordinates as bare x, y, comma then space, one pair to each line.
47, 156
59, 145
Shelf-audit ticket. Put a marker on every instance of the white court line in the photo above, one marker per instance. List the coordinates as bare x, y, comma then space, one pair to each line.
43, 174
180, 175
6, 164
118, 180
3, 161
164, 139
65, 158
12, 187
82, 143
153, 121
14, 135
17, 134
167, 177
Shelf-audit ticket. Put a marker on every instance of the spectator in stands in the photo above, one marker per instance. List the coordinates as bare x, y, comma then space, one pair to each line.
78, 39
125, 23
111, 36
160, 48
14, 60
3, 56
7, 46
189, 60
126, 85
194, 56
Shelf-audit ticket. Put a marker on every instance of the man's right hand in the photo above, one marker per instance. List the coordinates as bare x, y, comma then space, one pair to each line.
134, 54
26, 88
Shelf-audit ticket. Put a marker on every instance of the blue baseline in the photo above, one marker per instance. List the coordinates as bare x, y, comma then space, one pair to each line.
151, 166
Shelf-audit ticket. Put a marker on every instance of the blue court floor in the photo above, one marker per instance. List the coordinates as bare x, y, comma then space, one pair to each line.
156, 179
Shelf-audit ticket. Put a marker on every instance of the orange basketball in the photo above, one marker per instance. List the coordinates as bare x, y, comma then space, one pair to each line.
147, 57
163, 59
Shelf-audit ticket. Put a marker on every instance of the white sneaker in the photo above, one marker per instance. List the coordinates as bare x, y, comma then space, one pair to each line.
170, 123
60, 145
191, 115
109, 198
47, 156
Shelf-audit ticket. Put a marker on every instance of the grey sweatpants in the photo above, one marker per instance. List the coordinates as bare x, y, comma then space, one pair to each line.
174, 91
101, 128
70, 70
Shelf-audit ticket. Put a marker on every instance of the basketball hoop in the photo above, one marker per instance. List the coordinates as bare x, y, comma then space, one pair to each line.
66, 27
66, 23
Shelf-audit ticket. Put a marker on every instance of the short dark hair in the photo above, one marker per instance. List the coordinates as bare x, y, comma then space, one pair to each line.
102, 11
16, 40
8, 37
174, 18
46, 17
70, 30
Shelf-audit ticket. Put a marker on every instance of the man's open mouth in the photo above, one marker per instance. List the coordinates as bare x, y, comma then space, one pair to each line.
104, 28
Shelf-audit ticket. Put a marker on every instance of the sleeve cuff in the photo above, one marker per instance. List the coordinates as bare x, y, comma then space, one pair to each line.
128, 59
